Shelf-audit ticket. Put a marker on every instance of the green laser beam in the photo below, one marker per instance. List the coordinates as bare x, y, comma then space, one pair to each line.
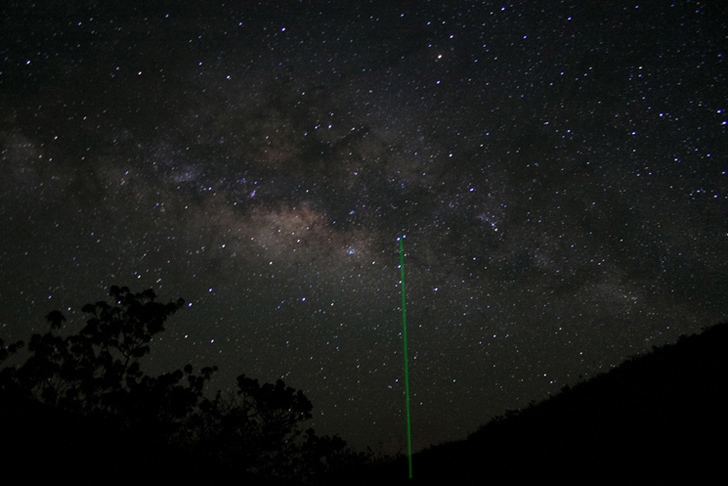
406, 360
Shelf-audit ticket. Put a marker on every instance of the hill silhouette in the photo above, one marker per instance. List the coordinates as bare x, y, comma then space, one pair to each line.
81, 408
659, 418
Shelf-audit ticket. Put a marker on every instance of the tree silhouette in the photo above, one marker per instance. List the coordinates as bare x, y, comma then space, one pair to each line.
96, 368
94, 380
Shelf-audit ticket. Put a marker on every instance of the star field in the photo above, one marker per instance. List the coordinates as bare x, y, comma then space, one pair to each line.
559, 169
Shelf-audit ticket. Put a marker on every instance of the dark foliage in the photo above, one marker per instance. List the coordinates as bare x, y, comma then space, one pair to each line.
81, 408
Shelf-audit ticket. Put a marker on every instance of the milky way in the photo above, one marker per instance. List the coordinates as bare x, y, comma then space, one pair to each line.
559, 171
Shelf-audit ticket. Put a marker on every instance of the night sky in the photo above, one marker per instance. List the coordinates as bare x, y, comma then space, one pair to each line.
559, 170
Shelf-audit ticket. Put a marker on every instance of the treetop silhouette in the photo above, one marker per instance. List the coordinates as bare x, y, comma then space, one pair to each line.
96, 375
